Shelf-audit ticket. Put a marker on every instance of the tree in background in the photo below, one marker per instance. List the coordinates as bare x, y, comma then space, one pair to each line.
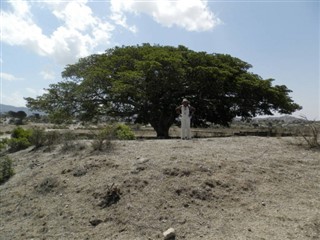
20, 116
148, 82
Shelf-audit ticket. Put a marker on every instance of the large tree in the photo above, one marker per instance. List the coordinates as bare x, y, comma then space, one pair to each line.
148, 82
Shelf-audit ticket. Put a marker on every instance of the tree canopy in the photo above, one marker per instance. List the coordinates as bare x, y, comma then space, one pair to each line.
20, 115
148, 82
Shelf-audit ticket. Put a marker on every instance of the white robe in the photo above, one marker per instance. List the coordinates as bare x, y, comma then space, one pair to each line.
185, 122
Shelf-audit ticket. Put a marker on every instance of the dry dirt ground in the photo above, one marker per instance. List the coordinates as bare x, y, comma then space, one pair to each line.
215, 188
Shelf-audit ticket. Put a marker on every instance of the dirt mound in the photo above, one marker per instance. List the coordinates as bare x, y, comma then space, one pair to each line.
219, 188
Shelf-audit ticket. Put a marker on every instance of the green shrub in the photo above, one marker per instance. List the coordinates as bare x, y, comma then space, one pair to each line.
17, 144
20, 139
38, 137
19, 132
102, 139
4, 143
6, 169
124, 132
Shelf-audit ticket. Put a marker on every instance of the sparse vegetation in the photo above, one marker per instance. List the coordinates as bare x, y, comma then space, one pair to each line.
6, 169
38, 137
102, 139
140, 188
52, 137
311, 133
69, 141
47, 185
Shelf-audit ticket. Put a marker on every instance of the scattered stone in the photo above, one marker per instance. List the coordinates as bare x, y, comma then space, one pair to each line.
64, 171
137, 170
95, 222
169, 234
79, 172
263, 203
142, 160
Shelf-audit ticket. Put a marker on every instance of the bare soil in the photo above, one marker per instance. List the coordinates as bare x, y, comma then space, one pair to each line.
207, 188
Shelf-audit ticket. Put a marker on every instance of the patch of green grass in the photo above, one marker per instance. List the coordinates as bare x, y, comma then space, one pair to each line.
6, 169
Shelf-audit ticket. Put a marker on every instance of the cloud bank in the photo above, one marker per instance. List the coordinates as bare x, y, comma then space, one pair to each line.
79, 32
191, 15
8, 77
78, 35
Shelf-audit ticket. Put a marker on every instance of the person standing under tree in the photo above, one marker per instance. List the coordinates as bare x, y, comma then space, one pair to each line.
186, 112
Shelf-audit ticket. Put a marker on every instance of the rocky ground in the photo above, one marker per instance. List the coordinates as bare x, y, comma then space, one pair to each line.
207, 188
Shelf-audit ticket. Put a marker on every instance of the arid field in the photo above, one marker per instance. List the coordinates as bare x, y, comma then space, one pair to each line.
205, 188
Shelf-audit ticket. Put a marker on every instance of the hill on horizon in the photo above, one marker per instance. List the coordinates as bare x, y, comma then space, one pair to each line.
6, 108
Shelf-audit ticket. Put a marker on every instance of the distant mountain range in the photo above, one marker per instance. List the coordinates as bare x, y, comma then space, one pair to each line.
6, 108
287, 118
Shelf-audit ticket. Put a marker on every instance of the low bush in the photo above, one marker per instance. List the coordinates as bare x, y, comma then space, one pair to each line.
52, 138
40, 137
3, 143
68, 140
6, 169
20, 139
17, 144
19, 132
47, 185
124, 132
102, 139
311, 134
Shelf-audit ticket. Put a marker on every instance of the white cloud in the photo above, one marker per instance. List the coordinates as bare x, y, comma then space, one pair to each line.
192, 15
14, 99
9, 77
35, 92
79, 32
19, 29
48, 74
78, 35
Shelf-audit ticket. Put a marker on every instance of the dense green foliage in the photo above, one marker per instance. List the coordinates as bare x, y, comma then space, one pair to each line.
6, 169
20, 139
147, 82
20, 115
124, 132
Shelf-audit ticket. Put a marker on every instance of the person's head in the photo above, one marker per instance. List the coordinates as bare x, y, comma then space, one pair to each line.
185, 102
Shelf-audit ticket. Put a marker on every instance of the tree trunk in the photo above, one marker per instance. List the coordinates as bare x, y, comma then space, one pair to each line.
162, 126
162, 132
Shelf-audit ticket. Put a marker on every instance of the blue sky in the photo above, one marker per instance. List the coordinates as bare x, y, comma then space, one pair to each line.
280, 39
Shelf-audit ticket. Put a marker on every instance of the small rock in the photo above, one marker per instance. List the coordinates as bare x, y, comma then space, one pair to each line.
95, 222
143, 160
263, 203
169, 234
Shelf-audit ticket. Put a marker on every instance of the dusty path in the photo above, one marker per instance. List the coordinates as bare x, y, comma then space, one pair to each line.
217, 188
